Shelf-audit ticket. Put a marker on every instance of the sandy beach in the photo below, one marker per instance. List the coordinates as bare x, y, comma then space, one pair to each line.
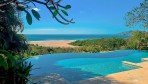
54, 43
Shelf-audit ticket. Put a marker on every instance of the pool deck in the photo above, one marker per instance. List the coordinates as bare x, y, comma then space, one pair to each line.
136, 76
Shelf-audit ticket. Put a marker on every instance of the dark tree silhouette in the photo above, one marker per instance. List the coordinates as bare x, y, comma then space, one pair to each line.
10, 24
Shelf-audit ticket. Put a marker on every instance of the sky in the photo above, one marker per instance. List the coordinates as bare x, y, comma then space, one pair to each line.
90, 16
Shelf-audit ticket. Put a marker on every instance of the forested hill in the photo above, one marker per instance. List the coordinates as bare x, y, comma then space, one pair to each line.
129, 33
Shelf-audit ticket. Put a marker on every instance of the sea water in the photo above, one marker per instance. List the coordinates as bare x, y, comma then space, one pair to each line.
45, 37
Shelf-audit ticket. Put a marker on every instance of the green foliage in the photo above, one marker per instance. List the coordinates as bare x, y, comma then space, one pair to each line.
131, 44
64, 12
55, 13
102, 44
137, 36
140, 39
13, 71
28, 18
10, 24
36, 14
51, 8
4, 63
12, 44
107, 44
86, 46
39, 50
67, 6
28, 15
138, 16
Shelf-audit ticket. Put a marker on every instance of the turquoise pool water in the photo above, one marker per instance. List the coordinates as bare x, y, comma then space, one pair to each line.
81, 66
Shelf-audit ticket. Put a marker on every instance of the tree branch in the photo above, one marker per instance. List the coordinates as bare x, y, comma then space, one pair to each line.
56, 17
60, 14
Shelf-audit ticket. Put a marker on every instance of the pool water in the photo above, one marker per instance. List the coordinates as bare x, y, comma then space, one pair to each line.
81, 66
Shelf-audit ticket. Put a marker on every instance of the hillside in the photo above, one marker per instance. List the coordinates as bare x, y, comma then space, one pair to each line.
129, 33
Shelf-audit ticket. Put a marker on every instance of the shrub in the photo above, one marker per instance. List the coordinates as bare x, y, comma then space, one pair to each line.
12, 70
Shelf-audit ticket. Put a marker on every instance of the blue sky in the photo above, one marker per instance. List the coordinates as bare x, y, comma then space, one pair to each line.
91, 17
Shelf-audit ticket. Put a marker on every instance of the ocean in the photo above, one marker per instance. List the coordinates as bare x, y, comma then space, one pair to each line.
46, 37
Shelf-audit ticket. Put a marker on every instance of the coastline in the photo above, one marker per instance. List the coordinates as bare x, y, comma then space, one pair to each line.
51, 40
58, 43
54, 43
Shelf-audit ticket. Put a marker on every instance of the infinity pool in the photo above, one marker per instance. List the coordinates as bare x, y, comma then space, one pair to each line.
81, 66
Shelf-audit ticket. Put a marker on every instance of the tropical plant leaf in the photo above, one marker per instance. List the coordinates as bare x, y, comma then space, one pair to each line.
3, 62
28, 18
64, 12
51, 8
5, 65
67, 6
36, 14
8, 55
55, 13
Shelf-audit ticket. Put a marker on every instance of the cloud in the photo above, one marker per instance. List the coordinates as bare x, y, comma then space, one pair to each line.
36, 9
39, 31
45, 29
42, 29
